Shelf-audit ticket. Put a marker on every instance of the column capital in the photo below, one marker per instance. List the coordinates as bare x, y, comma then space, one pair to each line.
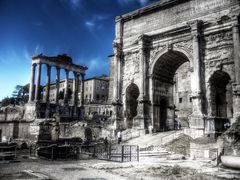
235, 23
144, 42
195, 24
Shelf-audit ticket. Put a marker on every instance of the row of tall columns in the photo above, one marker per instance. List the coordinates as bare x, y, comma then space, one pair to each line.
37, 91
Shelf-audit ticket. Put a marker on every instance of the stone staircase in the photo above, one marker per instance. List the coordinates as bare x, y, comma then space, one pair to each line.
152, 145
153, 151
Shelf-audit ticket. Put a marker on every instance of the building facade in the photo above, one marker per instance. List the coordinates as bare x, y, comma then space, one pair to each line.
177, 59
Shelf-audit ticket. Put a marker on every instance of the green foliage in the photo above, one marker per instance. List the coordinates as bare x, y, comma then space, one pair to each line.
21, 94
8, 101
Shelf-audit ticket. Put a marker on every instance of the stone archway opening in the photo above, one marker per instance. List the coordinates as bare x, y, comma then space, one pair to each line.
132, 94
221, 95
171, 79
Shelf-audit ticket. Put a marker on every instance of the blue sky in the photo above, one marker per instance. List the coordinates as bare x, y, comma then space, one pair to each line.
83, 29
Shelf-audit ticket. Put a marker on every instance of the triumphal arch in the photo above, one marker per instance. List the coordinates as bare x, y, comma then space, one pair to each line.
177, 60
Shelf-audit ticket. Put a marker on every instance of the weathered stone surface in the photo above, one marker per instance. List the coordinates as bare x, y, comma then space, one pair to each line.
174, 52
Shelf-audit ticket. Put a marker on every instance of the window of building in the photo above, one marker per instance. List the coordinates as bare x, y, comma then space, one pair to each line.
190, 99
180, 100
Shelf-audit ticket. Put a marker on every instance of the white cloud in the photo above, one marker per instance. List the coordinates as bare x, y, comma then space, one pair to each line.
143, 2
74, 4
95, 22
90, 24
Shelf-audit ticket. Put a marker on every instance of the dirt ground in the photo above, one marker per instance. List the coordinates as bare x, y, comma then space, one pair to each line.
146, 168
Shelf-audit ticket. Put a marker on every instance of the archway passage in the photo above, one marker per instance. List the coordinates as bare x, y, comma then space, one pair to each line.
132, 94
221, 95
171, 90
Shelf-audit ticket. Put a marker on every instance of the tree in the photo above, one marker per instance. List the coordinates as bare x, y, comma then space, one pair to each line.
21, 94
8, 101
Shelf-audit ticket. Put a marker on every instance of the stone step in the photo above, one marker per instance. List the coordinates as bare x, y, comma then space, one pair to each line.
157, 154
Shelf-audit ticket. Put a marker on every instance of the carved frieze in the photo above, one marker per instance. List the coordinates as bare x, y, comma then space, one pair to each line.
185, 45
131, 65
218, 39
220, 53
219, 48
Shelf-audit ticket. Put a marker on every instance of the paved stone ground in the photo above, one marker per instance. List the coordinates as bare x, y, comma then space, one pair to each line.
148, 168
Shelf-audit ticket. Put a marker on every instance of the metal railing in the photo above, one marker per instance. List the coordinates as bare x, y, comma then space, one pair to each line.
120, 153
171, 136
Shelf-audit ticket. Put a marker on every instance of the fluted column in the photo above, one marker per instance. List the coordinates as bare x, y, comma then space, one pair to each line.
117, 71
196, 119
32, 80
57, 84
142, 120
38, 84
143, 51
236, 46
66, 87
236, 85
82, 90
48, 81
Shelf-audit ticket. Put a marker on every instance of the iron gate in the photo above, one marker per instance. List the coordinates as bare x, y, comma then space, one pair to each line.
120, 153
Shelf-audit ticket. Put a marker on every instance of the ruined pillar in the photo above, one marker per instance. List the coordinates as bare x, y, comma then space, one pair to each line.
57, 84
48, 81
66, 87
196, 118
236, 85
31, 87
38, 84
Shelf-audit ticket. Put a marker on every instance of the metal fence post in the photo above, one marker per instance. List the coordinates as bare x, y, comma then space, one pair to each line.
138, 153
130, 153
122, 153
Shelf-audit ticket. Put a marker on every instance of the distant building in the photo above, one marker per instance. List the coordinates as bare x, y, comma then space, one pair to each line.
62, 84
95, 90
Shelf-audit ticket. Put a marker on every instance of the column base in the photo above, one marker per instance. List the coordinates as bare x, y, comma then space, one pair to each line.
196, 121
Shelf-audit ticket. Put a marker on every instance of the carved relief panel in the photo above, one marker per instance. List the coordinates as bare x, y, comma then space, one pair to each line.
218, 49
